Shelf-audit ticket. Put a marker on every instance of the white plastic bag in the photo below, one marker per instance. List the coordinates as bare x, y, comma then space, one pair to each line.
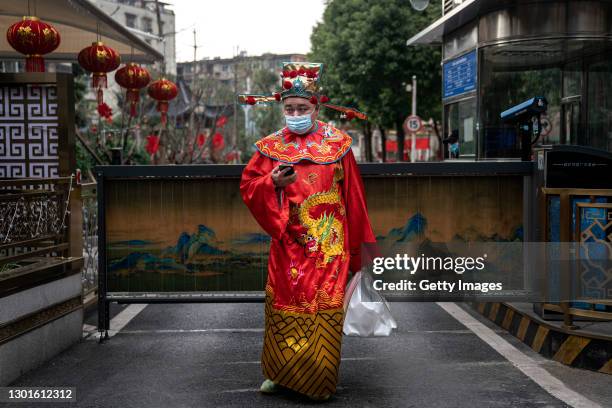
366, 311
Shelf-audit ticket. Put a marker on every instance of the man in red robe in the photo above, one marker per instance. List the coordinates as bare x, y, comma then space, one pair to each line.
304, 189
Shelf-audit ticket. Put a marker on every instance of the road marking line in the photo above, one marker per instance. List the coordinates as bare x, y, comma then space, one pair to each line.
254, 330
240, 390
124, 317
526, 364
89, 328
259, 361
260, 330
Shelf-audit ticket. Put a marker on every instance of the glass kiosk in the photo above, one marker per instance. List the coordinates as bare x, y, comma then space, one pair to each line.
499, 53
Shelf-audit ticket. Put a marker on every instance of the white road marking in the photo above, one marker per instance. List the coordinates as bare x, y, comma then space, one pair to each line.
122, 319
259, 361
255, 330
526, 364
89, 328
240, 390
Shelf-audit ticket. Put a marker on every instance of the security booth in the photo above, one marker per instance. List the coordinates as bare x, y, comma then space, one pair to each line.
500, 53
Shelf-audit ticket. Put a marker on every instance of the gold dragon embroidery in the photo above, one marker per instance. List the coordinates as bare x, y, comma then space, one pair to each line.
325, 233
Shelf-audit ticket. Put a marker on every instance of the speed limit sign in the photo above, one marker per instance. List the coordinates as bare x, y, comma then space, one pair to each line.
413, 124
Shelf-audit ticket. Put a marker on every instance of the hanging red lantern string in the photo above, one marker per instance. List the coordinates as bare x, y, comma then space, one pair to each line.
134, 78
163, 91
34, 38
99, 60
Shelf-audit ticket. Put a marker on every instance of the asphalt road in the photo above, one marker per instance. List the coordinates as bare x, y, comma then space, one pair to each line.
205, 355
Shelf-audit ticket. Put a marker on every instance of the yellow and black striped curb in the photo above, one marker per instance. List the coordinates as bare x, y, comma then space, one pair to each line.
576, 350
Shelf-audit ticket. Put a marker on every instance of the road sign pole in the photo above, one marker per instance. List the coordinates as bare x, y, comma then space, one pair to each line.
414, 95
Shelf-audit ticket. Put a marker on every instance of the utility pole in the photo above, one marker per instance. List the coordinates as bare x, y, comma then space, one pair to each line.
414, 110
235, 135
193, 89
161, 34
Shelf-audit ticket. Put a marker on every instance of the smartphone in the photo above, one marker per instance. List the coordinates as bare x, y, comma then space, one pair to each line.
287, 166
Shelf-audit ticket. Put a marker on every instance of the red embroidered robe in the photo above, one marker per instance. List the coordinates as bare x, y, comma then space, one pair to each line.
317, 225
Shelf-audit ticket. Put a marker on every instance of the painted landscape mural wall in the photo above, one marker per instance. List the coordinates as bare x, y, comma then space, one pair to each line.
182, 235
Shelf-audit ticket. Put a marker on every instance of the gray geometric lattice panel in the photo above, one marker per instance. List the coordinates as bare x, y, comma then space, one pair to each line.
28, 131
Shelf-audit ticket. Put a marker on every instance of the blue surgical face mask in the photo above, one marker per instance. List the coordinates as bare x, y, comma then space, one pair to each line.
299, 124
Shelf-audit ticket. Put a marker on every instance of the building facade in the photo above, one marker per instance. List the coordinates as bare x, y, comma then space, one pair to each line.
140, 17
237, 74
239, 69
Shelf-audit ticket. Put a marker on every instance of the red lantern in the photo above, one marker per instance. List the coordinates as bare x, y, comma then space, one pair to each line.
134, 78
163, 91
99, 59
33, 38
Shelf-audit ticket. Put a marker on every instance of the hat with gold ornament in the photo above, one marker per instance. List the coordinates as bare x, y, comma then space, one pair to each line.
303, 80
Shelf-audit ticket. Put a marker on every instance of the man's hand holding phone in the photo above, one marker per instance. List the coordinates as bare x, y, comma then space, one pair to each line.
283, 175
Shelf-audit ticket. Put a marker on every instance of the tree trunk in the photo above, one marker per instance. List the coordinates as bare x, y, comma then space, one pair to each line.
367, 139
401, 137
383, 144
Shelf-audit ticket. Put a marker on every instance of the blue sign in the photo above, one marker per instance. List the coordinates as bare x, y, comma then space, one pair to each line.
459, 75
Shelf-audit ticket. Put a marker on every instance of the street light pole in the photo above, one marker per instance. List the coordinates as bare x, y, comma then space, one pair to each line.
414, 111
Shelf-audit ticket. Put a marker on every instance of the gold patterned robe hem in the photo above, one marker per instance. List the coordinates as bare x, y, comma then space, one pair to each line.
302, 351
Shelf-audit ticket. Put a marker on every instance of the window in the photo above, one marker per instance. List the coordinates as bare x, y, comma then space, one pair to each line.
512, 74
130, 20
147, 25
575, 76
600, 105
459, 126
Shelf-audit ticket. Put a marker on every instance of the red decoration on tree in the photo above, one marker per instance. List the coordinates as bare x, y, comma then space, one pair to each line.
231, 156
350, 115
33, 38
314, 100
221, 122
251, 100
277, 96
218, 142
324, 99
201, 139
163, 91
152, 144
99, 59
134, 78
106, 112
287, 85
